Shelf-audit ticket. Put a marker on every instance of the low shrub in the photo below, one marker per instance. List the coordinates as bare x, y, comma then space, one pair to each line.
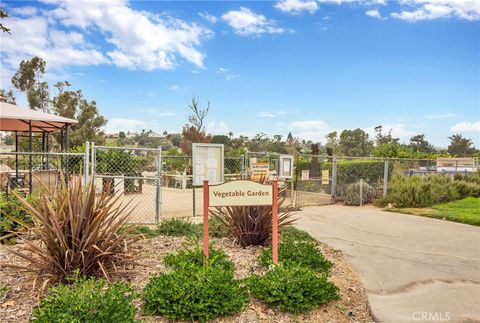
178, 228
467, 189
352, 194
11, 210
468, 177
417, 192
301, 253
193, 259
203, 294
292, 288
87, 300
293, 233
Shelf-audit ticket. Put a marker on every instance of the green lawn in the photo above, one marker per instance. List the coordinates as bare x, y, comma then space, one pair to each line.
464, 211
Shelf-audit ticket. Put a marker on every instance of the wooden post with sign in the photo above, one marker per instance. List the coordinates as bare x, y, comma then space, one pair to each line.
275, 222
241, 193
206, 200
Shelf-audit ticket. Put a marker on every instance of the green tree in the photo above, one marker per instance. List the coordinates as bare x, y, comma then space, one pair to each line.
3, 15
355, 143
8, 97
460, 146
381, 139
332, 142
72, 104
418, 143
221, 139
28, 79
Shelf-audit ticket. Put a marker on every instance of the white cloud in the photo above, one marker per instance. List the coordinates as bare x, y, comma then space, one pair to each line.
208, 17
314, 130
435, 9
246, 22
217, 128
273, 114
297, 6
36, 36
228, 76
178, 88
466, 126
441, 116
373, 13
160, 113
136, 39
115, 125
141, 40
231, 77
24, 11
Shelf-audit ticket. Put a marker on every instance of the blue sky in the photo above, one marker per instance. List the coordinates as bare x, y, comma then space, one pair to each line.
305, 66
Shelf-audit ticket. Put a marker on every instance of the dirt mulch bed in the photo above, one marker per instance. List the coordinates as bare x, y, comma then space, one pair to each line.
18, 303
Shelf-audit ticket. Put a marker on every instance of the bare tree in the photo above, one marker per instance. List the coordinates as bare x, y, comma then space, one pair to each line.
199, 114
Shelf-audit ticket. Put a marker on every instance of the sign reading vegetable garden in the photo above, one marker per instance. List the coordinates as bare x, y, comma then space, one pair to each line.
241, 193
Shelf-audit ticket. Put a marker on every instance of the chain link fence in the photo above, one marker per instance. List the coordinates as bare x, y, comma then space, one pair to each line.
159, 185
133, 174
31, 172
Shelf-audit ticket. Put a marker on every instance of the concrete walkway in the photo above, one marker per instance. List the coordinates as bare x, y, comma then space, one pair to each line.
413, 268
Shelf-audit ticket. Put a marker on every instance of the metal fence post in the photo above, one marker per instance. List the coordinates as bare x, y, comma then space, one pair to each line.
86, 161
334, 180
385, 178
361, 191
93, 164
158, 195
242, 167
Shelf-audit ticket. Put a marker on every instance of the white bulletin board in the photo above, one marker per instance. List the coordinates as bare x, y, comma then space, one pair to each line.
286, 167
207, 163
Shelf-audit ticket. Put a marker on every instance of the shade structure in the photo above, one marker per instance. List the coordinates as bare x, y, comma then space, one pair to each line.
15, 118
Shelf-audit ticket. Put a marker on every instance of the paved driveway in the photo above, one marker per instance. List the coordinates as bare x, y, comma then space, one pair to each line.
412, 267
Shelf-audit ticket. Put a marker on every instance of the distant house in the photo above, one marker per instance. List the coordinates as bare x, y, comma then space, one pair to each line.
152, 134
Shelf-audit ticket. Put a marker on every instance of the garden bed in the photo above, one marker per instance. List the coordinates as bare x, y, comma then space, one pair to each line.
18, 303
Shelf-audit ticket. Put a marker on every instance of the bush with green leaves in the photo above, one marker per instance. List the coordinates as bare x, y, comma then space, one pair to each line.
178, 228
295, 234
352, 194
203, 294
292, 288
87, 300
193, 259
302, 253
415, 191
467, 189
11, 210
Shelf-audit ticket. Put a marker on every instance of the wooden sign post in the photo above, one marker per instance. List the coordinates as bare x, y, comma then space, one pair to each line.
241, 193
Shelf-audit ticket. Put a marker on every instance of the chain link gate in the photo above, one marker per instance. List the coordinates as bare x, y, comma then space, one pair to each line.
134, 174
315, 179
